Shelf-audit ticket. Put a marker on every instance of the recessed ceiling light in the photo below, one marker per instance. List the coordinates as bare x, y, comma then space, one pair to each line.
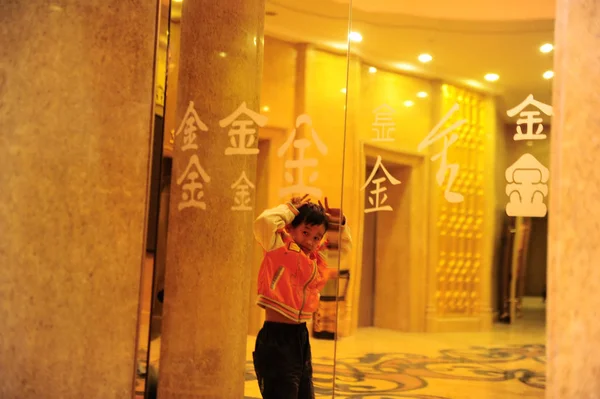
546, 47
405, 67
409, 103
425, 58
422, 94
474, 83
355, 37
343, 90
372, 69
338, 46
222, 54
266, 108
491, 77
548, 74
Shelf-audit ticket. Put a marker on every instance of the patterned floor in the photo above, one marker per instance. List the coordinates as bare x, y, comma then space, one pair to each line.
408, 375
508, 362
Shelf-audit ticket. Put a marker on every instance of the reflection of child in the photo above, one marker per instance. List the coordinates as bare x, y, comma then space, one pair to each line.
293, 272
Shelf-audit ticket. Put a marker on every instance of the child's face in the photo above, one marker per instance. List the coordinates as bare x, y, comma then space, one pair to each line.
307, 236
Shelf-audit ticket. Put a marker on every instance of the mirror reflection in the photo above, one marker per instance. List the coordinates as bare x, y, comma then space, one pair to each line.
427, 130
449, 110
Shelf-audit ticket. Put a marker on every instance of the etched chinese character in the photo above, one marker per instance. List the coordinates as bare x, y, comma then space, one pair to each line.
378, 201
527, 188
530, 118
301, 163
191, 190
242, 194
434, 136
189, 125
384, 124
243, 129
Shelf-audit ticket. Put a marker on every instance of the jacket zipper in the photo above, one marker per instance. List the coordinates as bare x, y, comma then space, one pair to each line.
305, 286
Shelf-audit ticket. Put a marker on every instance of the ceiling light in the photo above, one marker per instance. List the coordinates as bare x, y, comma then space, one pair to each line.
222, 54
177, 1
409, 103
338, 46
425, 58
548, 75
491, 77
343, 90
372, 69
266, 108
474, 83
355, 37
406, 67
422, 94
546, 48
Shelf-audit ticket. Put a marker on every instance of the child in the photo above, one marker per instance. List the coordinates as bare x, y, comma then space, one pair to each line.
292, 273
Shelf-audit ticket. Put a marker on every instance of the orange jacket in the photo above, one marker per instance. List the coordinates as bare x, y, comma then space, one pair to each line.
289, 281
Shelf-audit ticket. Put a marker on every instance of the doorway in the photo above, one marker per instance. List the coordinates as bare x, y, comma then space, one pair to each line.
392, 270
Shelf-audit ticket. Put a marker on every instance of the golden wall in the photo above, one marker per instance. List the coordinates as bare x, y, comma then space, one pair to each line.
444, 280
447, 286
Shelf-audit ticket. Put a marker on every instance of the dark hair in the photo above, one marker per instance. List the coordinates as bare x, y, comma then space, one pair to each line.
312, 215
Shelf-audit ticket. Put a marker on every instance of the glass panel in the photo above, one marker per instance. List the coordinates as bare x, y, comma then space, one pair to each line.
296, 140
449, 122
302, 147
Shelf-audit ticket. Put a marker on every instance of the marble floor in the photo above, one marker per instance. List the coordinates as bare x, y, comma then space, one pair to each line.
508, 362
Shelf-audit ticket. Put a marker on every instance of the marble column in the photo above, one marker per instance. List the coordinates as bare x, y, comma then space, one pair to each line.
574, 213
76, 94
209, 244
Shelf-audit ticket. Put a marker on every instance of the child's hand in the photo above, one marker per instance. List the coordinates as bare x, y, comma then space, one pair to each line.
334, 215
299, 201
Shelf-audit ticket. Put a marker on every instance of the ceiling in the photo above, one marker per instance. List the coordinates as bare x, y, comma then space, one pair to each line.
466, 40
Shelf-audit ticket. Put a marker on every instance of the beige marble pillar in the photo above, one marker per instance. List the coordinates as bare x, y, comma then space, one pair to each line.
75, 122
209, 245
574, 212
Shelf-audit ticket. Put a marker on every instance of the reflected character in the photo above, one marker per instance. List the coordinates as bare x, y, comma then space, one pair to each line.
244, 130
242, 193
293, 272
384, 125
190, 124
379, 201
300, 163
452, 197
529, 118
527, 187
192, 193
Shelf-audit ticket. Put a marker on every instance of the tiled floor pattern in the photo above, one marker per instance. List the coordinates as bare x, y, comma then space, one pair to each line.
508, 362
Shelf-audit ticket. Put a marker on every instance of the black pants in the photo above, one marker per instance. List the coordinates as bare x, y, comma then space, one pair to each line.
283, 363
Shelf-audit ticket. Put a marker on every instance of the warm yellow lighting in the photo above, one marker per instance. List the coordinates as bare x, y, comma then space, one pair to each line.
422, 94
177, 1
222, 54
372, 69
548, 74
491, 77
266, 108
406, 67
355, 37
409, 103
338, 46
546, 48
474, 83
425, 58
343, 90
